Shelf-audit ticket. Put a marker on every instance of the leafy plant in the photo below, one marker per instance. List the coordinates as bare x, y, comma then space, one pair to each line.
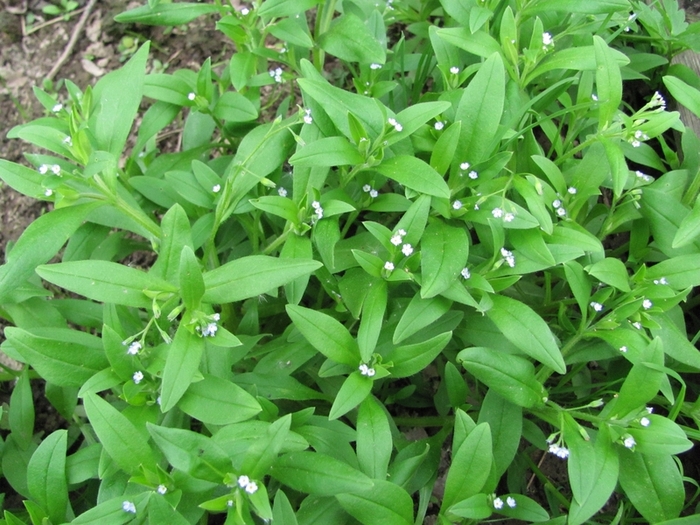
381, 299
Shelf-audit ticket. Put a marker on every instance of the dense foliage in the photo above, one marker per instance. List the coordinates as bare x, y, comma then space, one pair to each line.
411, 261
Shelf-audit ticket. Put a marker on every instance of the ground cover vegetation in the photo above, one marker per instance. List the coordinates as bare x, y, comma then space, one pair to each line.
411, 262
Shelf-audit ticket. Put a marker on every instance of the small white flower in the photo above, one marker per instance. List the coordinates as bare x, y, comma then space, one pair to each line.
57, 108
366, 188
245, 11
629, 442
216, 317
556, 203
497, 213
645, 422
661, 281
623, 349
282, 192
465, 273
456, 205
363, 369
158, 400
389, 266
572, 191
547, 39
375, 66
657, 101
498, 504
276, 74
307, 116
243, 481
396, 239
315, 205
439, 125
373, 193
128, 506
560, 452
511, 502
68, 141
191, 96
210, 330
251, 488
561, 212
473, 175
464, 166
454, 70
649, 410
402, 232
596, 306
508, 217
216, 188
635, 143
371, 372
594, 97
44, 169
407, 249
637, 325
134, 348
646, 304
506, 253
137, 377
56, 169
48, 192
229, 503
162, 489
398, 127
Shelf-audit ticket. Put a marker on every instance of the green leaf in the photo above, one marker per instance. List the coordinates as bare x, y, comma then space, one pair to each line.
46, 476
685, 94
40, 242
117, 96
413, 117
689, 229
675, 341
374, 442
444, 252
329, 151
681, 272
110, 512
21, 178
349, 39
474, 456
181, 365
513, 377
293, 32
278, 205
592, 7
506, 422
480, 43
371, 323
62, 356
354, 390
21, 416
165, 14
653, 484
234, 107
579, 283
481, 106
161, 511
326, 335
264, 451
191, 282
609, 82
384, 503
296, 247
105, 281
411, 359
253, 275
282, 510
662, 436
123, 442
314, 473
414, 174
445, 148
579, 58
281, 8
525, 329
216, 401
618, 165
611, 271
418, 314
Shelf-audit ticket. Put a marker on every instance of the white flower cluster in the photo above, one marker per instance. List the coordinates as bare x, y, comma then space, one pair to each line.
54, 168
558, 450
307, 116
128, 506
134, 348
547, 41
498, 503
209, 329
397, 238
464, 166
276, 74
389, 266
162, 489
630, 19
648, 179
457, 205
137, 377
369, 189
629, 442
596, 306
661, 281
623, 349
466, 273
282, 192
366, 370
318, 211
375, 66
392, 122
508, 257
637, 139
246, 484
646, 304
454, 70
191, 96
216, 188
557, 205
245, 11
657, 101
439, 125
645, 422
58, 107
499, 213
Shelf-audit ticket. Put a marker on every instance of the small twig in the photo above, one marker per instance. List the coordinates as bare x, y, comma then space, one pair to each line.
532, 478
34, 29
73, 39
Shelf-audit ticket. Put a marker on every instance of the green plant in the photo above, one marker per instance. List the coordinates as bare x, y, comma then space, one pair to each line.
454, 251
63, 8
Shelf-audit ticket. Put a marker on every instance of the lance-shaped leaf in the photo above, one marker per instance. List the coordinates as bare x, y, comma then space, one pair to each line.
39, 243
609, 81
263, 452
123, 442
46, 476
62, 356
216, 401
372, 320
191, 282
165, 14
611, 271
418, 314
374, 442
385, 503
181, 365
411, 359
175, 235
329, 151
474, 457
414, 174
105, 281
253, 275
355, 389
318, 474
444, 252
526, 330
351, 40
326, 335
510, 375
